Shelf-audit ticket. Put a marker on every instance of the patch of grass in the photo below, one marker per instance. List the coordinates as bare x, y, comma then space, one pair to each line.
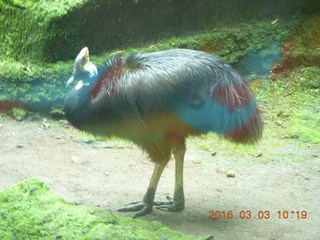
109, 142
288, 107
307, 77
121, 143
4, 116
306, 126
19, 113
292, 106
84, 137
215, 143
57, 112
29, 211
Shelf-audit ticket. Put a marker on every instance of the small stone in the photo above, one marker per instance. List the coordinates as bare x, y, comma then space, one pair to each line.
132, 164
107, 174
231, 174
283, 114
196, 161
85, 163
291, 92
45, 125
1, 126
87, 141
75, 159
213, 154
68, 136
258, 155
19, 146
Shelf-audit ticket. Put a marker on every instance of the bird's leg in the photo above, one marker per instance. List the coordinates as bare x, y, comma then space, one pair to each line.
146, 205
177, 204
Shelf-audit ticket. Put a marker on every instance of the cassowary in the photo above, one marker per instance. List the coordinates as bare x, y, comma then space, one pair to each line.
157, 100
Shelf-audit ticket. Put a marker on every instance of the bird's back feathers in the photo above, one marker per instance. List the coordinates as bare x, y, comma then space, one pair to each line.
201, 91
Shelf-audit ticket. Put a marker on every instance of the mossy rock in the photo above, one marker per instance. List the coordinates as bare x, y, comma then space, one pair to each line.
29, 211
37, 31
36, 87
302, 47
26, 27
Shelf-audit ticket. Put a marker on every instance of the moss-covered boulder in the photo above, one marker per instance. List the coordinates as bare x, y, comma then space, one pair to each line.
39, 88
29, 211
302, 47
28, 26
51, 30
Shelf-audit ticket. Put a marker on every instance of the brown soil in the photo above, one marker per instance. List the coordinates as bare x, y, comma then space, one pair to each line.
107, 176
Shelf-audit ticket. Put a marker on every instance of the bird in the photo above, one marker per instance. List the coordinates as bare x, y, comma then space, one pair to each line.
157, 100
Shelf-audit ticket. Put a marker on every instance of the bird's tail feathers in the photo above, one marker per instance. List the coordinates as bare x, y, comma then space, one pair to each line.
249, 132
241, 105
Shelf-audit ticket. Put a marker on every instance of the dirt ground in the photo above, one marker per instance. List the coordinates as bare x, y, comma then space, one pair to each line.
107, 176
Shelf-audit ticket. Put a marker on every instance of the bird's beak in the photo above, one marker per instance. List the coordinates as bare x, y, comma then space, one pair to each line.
69, 81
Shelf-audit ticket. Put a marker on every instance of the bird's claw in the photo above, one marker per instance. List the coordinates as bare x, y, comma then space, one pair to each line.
141, 207
171, 205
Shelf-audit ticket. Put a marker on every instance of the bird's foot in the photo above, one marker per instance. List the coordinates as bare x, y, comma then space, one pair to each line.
142, 208
171, 205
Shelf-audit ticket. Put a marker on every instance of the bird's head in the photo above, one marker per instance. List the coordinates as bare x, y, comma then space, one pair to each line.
84, 71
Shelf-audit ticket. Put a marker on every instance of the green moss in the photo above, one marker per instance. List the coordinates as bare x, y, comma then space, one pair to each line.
300, 47
29, 211
305, 119
231, 43
306, 77
57, 112
38, 87
306, 127
25, 27
19, 113
303, 43
292, 105
44, 30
